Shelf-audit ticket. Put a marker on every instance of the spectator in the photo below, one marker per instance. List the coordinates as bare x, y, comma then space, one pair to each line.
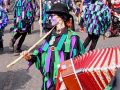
77, 11
74, 6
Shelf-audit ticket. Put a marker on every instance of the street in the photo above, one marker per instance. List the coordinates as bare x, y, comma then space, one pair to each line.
18, 77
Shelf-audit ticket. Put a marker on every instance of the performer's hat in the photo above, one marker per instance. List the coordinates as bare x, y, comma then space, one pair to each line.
59, 8
62, 11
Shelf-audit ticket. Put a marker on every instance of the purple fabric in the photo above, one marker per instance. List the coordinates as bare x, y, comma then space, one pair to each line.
48, 60
95, 17
48, 83
91, 30
98, 32
90, 20
41, 68
39, 50
92, 6
73, 40
23, 2
29, 64
96, 22
104, 6
99, 7
88, 12
61, 54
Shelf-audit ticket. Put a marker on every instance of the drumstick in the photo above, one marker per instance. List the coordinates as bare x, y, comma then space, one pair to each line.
18, 59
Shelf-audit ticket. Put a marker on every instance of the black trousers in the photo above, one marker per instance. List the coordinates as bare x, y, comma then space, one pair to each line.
21, 40
94, 39
1, 42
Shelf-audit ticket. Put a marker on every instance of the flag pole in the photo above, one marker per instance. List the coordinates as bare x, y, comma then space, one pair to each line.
33, 22
40, 18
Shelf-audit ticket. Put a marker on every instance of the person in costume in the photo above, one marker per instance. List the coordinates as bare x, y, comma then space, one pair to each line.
97, 17
3, 23
23, 18
62, 44
46, 7
77, 11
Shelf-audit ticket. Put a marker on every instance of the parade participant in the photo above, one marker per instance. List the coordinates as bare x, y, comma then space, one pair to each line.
46, 7
97, 17
3, 24
23, 19
77, 11
62, 44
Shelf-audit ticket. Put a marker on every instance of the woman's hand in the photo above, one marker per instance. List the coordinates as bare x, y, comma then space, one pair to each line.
27, 55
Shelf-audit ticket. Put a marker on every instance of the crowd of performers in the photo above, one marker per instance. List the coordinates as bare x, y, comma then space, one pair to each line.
63, 43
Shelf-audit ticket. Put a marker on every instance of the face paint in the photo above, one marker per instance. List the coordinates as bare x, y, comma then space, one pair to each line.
53, 20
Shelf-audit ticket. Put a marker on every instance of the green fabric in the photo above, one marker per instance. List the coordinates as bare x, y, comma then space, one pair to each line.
0, 13
45, 80
12, 34
68, 41
74, 53
82, 48
44, 55
28, 12
57, 61
55, 80
60, 44
69, 33
67, 44
19, 3
37, 63
46, 47
35, 52
18, 11
21, 25
108, 88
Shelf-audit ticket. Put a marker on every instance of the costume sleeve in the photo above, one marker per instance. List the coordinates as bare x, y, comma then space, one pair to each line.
83, 17
36, 57
77, 47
